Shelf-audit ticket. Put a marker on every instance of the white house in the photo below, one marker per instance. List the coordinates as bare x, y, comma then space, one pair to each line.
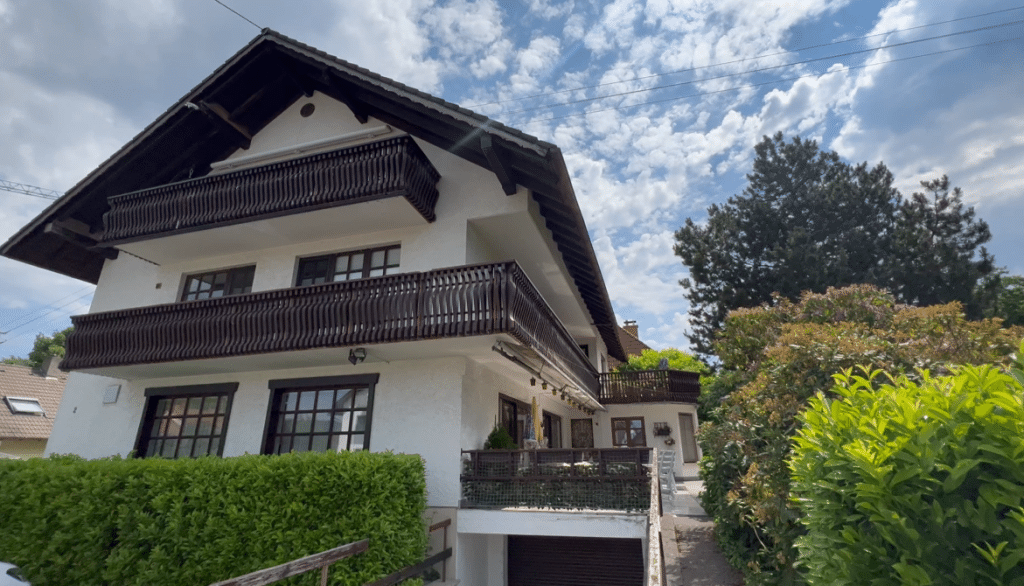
301, 254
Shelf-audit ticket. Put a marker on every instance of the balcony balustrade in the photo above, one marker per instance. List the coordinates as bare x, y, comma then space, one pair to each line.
394, 167
616, 479
454, 302
649, 386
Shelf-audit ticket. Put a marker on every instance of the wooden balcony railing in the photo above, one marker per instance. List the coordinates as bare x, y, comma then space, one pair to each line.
649, 386
616, 479
389, 168
444, 303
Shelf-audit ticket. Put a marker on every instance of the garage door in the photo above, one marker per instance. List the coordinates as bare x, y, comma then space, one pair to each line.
574, 561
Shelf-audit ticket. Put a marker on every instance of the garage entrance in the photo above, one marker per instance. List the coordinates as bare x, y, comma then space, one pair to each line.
574, 561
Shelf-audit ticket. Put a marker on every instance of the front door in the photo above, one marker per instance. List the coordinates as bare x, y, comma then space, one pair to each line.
582, 433
689, 439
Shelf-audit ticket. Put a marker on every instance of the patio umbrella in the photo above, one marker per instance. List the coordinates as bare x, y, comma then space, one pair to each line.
538, 429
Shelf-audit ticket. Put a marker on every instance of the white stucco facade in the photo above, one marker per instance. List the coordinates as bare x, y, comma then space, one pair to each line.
434, 398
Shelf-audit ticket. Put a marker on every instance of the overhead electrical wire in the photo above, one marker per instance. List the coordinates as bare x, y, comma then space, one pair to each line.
760, 69
50, 308
44, 312
242, 16
774, 81
710, 65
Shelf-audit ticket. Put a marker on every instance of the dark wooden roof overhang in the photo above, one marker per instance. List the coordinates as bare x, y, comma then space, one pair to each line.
253, 87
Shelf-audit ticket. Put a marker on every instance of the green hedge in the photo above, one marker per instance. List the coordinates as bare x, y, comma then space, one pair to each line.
154, 522
914, 483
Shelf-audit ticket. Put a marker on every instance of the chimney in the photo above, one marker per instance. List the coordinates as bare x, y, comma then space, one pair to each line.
631, 328
50, 367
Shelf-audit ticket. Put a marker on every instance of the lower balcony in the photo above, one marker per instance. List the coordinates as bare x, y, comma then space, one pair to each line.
649, 386
457, 302
616, 479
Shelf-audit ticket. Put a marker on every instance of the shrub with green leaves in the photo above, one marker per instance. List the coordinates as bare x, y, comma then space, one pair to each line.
169, 522
913, 483
774, 359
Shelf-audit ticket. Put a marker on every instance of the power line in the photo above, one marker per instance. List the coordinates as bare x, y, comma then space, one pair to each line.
239, 14
774, 81
29, 190
43, 312
762, 69
710, 65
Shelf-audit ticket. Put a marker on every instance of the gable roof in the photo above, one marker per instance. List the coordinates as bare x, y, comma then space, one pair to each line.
254, 86
22, 381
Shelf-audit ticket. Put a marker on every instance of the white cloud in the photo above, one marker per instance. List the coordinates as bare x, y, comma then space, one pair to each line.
550, 9
643, 274
388, 39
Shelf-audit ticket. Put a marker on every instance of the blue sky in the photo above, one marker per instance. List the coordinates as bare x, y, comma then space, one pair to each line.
80, 78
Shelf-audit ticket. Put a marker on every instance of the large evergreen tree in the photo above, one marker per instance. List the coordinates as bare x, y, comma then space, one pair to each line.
807, 221
940, 254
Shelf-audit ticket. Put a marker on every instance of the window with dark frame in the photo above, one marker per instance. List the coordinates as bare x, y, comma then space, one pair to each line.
346, 266
552, 426
513, 417
628, 432
320, 414
185, 422
216, 284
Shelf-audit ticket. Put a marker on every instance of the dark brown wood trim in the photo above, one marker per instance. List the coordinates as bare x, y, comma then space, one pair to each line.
346, 380
187, 390
219, 115
202, 390
490, 150
643, 431
325, 381
474, 300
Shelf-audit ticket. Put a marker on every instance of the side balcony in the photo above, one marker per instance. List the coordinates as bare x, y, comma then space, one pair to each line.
649, 386
458, 302
615, 479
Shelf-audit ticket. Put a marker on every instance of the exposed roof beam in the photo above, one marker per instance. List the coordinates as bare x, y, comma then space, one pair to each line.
508, 185
218, 114
335, 88
63, 232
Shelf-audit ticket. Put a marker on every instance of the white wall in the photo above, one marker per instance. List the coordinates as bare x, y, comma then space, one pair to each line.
652, 413
417, 410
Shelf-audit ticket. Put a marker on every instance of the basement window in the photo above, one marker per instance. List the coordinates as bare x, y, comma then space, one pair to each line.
24, 406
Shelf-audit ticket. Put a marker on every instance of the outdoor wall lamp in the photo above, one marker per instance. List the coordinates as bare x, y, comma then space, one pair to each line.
356, 355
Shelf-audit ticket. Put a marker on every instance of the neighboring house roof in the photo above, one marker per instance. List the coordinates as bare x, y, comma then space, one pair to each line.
24, 382
245, 94
628, 337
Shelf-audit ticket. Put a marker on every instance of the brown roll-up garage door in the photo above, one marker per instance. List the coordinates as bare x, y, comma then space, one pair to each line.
574, 561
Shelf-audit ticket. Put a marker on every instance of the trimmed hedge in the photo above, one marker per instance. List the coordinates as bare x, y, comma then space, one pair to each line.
914, 483
170, 522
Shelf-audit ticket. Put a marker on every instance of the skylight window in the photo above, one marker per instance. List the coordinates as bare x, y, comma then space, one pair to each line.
24, 406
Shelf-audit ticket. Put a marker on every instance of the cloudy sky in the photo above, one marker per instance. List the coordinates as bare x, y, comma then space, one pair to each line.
656, 105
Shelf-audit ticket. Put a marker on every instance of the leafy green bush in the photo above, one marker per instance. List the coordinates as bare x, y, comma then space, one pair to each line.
913, 482
500, 439
774, 359
156, 522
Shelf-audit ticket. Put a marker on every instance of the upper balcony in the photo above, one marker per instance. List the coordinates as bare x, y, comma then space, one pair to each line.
455, 302
649, 386
383, 172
